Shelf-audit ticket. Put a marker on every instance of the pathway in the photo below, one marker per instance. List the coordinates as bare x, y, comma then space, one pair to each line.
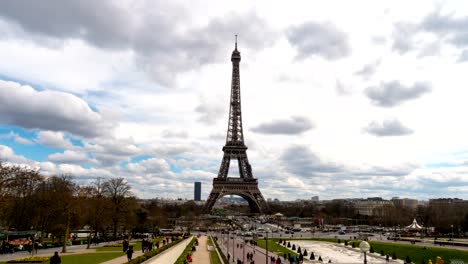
238, 251
123, 259
170, 255
201, 255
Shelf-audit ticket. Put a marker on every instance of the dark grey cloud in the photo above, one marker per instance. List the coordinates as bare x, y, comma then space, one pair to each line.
160, 33
388, 127
446, 28
368, 70
295, 125
319, 39
394, 93
49, 110
302, 162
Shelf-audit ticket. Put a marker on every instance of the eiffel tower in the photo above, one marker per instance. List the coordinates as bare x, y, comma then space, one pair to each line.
246, 185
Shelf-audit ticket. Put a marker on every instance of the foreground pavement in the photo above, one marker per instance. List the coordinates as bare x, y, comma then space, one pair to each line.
201, 255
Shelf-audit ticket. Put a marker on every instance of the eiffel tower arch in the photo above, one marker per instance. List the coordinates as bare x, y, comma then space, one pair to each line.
245, 186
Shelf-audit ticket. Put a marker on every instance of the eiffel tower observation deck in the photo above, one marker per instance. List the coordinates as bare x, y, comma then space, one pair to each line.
245, 185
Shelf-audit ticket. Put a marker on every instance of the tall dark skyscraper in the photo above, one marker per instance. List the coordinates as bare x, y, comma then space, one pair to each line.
197, 191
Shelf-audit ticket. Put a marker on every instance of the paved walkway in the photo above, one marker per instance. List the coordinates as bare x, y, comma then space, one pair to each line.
201, 255
238, 250
170, 255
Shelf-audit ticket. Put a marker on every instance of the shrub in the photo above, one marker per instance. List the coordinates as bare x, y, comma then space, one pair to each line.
339, 241
305, 252
346, 242
320, 258
353, 244
30, 260
312, 256
407, 259
153, 253
294, 247
371, 249
289, 244
382, 253
394, 255
299, 250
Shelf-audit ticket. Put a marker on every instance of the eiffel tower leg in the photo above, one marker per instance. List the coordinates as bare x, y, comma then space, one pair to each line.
224, 168
210, 202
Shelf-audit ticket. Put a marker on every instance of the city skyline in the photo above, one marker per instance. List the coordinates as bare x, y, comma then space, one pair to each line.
360, 99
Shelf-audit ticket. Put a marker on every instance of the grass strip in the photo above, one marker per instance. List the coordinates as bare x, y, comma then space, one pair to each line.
274, 247
213, 254
225, 260
187, 250
153, 253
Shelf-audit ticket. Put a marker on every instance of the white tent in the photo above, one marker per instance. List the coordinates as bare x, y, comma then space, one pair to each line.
414, 225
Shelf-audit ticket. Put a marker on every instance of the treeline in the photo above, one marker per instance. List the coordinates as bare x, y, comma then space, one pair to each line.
445, 217
57, 204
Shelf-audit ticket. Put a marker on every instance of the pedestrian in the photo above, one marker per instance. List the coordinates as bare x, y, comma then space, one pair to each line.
129, 253
229, 257
125, 245
55, 259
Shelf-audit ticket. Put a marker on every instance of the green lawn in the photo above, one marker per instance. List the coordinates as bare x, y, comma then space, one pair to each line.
89, 258
274, 247
418, 253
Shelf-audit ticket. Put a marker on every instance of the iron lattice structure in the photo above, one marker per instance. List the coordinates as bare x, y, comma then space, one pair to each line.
246, 185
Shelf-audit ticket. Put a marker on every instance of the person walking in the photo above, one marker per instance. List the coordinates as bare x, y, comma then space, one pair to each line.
129, 253
55, 259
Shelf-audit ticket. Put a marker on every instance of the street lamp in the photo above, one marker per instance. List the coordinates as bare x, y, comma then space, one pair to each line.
364, 247
266, 244
452, 234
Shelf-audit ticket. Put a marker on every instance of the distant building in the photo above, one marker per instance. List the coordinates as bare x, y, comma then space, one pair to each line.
405, 202
372, 206
315, 198
197, 191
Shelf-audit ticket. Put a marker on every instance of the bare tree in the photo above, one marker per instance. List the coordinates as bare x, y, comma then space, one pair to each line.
116, 190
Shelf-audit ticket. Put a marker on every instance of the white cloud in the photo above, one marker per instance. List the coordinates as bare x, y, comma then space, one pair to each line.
23, 106
53, 139
171, 91
70, 156
17, 138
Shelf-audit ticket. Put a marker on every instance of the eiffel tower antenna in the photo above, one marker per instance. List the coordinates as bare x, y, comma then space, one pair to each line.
236, 41
246, 185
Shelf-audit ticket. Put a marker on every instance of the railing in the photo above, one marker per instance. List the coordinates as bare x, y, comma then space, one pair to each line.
234, 179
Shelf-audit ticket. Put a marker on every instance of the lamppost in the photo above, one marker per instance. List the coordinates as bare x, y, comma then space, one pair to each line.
243, 248
266, 244
364, 247
452, 235
233, 253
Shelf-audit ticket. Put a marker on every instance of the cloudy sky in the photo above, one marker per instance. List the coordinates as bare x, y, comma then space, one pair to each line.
343, 99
